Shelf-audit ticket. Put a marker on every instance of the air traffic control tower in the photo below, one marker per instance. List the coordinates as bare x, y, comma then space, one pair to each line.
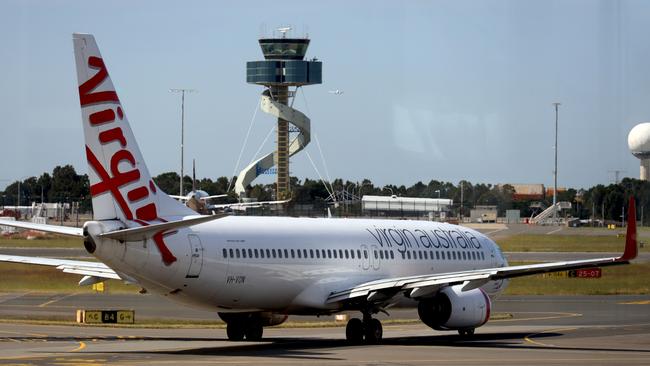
283, 68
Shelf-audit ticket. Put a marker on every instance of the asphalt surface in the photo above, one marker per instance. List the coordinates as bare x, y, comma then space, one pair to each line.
580, 330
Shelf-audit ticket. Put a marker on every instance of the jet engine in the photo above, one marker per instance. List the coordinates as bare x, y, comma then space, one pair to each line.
452, 308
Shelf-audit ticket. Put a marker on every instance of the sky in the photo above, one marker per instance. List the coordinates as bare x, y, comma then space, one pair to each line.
445, 90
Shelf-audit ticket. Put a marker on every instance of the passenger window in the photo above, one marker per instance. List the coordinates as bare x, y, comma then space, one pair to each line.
334, 253
392, 256
298, 250
346, 254
237, 252
381, 254
293, 254
231, 253
225, 253
322, 253
304, 253
268, 253
261, 253
279, 253
365, 254
243, 253
425, 255
359, 253
329, 253
317, 254
352, 254
408, 255
273, 252
311, 253
341, 253
256, 253
286, 253
420, 254
437, 255
376, 255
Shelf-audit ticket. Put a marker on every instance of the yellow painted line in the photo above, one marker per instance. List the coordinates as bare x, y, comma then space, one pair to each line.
82, 345
558, 316
23, 333
55, 300
529, 337
640, 302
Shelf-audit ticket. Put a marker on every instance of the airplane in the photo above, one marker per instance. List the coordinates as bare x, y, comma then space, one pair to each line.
256, 271
337, 92
197, 200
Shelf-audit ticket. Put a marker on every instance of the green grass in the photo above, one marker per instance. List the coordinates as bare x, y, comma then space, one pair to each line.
168, 323
48, 241
563, 243
17, 277
632, 279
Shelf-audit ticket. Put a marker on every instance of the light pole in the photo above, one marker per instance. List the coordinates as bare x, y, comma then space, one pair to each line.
557, 105
182, 91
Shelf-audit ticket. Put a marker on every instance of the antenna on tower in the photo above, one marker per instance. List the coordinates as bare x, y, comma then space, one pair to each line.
284, 31
617, 173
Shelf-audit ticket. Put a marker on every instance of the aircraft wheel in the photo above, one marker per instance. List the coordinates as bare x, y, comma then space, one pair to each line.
235, 331
373, 331
354, 331
254, 331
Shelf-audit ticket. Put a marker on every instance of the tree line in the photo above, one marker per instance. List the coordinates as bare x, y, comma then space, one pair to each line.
607, 202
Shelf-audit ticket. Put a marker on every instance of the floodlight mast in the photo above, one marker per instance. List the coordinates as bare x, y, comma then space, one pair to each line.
557, 105
182, 91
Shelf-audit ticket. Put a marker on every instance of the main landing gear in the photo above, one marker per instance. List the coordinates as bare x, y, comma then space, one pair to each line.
239, 328
369, 330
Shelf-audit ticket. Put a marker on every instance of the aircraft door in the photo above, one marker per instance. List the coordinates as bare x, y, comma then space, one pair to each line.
196, 256
374, 257
365, 258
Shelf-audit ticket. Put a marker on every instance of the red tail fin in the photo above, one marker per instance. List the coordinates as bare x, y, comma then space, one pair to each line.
631, 248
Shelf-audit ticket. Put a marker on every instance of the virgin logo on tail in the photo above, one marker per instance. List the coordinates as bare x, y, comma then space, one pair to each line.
111, 180
106, 118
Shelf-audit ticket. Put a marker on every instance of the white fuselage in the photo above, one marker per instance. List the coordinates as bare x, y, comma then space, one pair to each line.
291, 265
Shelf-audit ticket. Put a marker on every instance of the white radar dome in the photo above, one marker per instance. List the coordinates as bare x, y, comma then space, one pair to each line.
639, 140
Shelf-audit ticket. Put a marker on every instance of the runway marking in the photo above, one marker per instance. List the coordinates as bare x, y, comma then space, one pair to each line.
82, 345
529, 340
56, 299
23, 333
496, 231
9, 298
557, 316
554, 231
640, 302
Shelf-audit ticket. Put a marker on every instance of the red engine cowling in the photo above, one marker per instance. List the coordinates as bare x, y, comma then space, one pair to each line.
452, 308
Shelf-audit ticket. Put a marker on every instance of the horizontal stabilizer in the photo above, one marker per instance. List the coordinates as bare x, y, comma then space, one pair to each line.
85, 268
63, 230
145, 232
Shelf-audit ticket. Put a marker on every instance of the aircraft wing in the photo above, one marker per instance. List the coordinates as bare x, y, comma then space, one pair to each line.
421, 285
64, 230
86, 268
246, 204
215, 196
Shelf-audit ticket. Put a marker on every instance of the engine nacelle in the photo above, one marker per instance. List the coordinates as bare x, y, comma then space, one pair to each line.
452, 308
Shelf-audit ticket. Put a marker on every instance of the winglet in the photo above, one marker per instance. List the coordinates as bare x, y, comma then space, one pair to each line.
631, 248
